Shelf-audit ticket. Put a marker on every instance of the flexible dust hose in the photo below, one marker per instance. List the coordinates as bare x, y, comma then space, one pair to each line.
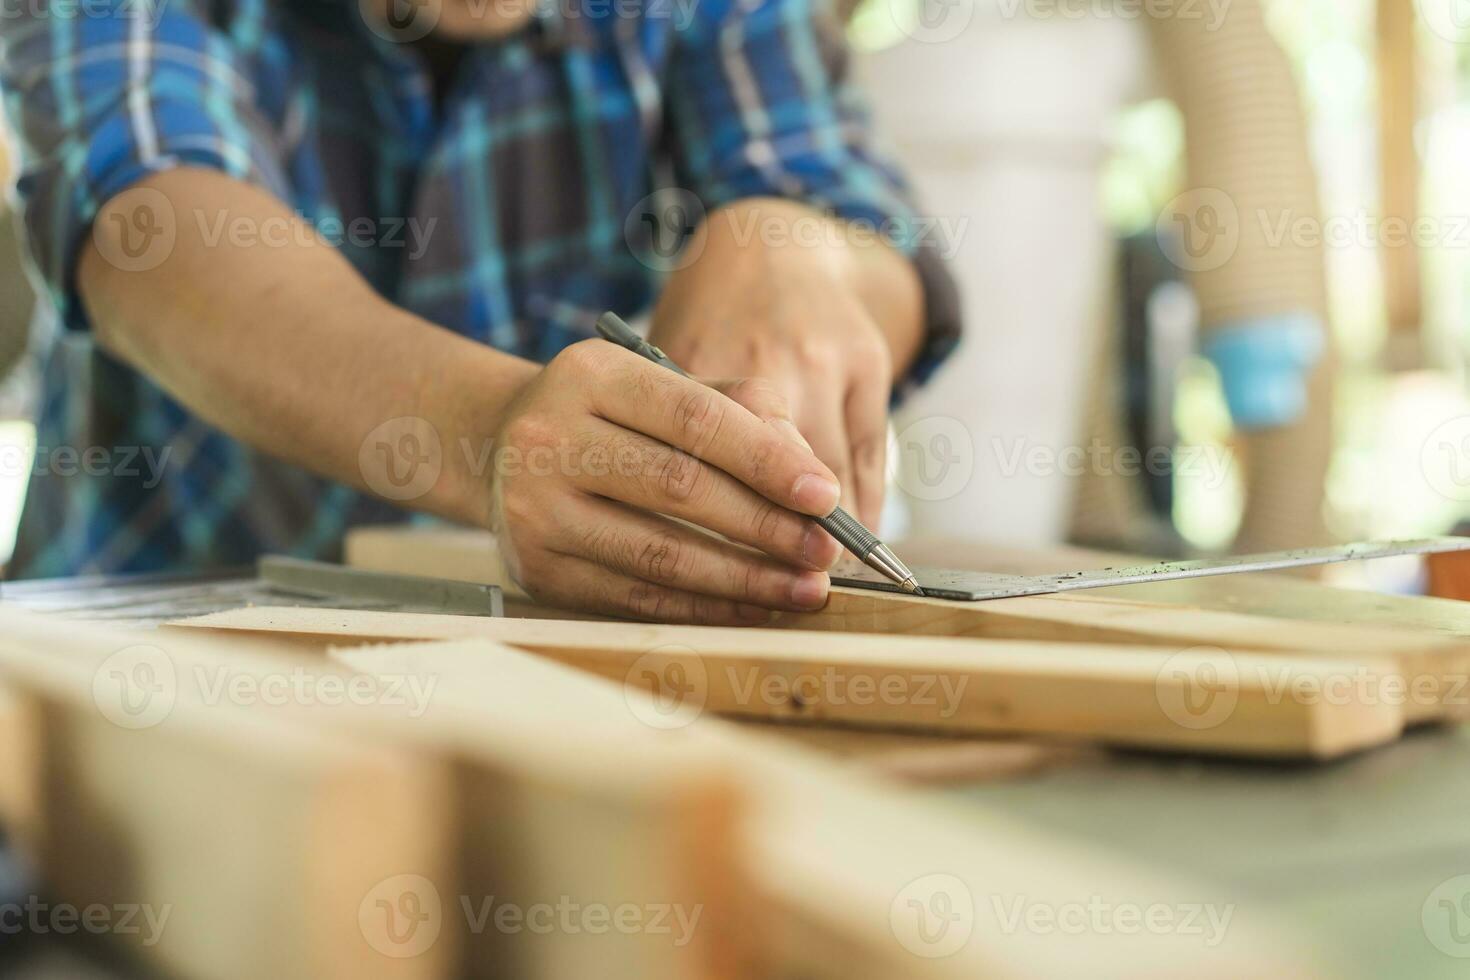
15, 290
15, 297
1262, 298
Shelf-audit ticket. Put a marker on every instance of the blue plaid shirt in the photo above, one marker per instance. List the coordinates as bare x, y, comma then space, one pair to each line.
510, 207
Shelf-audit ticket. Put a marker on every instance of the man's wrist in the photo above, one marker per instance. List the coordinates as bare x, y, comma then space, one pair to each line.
466, 390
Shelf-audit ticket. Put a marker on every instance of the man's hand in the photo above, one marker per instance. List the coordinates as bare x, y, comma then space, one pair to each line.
782, 293
287, 348
602, 443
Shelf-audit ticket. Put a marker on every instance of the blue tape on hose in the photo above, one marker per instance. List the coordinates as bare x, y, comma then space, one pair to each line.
1263, 365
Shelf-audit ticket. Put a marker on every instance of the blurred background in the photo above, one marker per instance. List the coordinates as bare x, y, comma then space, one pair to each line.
1152, 189
1216, 264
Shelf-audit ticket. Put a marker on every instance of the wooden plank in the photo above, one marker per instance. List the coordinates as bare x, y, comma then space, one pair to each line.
467, 554
1282, 597
847, 865
244, 845
1256, 594
1398, 160
837, 865
20, 768
925, 758
1430, 622
544, 824
1139, 696
1436, 667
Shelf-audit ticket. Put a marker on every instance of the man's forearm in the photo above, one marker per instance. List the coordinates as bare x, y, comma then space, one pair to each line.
276, 339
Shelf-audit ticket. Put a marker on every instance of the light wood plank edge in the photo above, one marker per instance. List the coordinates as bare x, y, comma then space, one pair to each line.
20, 768
1262, 705
672, 831
839, 856
1436, 667
288, 827
1287, 597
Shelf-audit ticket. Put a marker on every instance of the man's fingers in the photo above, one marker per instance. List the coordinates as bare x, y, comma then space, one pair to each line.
665, 553
655, 477
765, 402
867, 432
586, 585
696, 418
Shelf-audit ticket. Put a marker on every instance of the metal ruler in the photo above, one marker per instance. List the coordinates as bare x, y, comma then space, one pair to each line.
945, 583
150, 600
321, 580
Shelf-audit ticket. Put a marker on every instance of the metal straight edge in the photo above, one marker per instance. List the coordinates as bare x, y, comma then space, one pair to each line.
966, 586
325, 580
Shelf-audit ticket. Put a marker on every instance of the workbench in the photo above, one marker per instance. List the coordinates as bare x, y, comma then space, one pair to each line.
1344, 855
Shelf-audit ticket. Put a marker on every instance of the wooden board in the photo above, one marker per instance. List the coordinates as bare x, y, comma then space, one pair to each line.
243, 845
929, 759
551, 765
1398, 175
1131, 696
531, 819
1435, 667
1277, 596
845, 865
20, 768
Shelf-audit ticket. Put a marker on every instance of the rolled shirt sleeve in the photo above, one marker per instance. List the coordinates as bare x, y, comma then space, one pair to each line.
99, 96
761, 106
